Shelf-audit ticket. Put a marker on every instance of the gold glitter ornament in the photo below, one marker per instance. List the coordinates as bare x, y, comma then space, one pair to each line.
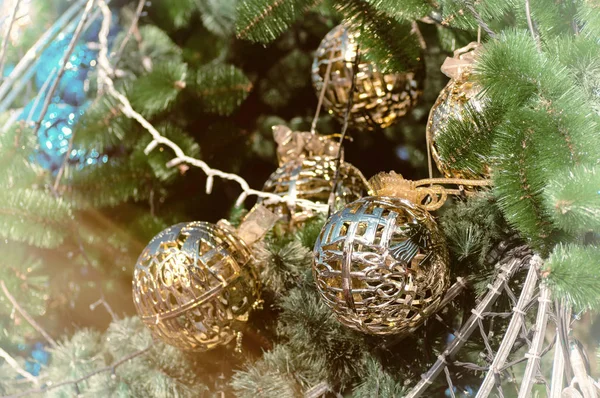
381, 264
460, 93
379, 99
194, 285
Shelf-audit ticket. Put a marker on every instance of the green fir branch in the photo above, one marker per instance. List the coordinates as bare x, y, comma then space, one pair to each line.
221, 88
33, 217
155, 44
465, 142
308, 234
177, 13
588, 17
283, 267
218, 16
16, 147
263, 21
22, 271
408, 11
579, 54
158, 159
473, 228
513, 58
311, 328
110, 184
560, 19
379, 383
573, 273
103, 126
389, 44
272, 376
156, 91
285, 79
519, 179
461, 13
572, 198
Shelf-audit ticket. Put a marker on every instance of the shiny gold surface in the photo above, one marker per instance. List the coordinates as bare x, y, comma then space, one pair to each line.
459, 93
379, 100
381, 264
312, 179
194, 284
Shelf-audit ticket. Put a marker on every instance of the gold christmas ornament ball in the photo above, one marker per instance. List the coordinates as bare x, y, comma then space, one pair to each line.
194, 285
379, 99
459, 98
381, 265
312, 179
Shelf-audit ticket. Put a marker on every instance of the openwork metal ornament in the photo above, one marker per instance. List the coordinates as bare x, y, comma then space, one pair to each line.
312, 179
194, 285
379, 99
459, 100
381, 264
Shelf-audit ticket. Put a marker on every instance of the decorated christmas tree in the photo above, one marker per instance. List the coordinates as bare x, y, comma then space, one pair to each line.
292, 198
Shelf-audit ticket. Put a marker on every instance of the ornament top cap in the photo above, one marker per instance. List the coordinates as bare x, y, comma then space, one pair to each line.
462, 61
394, 185
293, 145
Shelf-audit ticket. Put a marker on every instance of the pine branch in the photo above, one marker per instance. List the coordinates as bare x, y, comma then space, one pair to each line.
387, 43
408, 11
22, 273
25, 315
519, 180
282, 267
379, 383
218, 16
157, 160
572, 199
264, 20
465, 142
9, 25
468, 14
221, 88
157, 90
155, 45
103, 127
17, 368
110, 184
589, 18
285, 79
16, 146
269, 377
33, 217
573, 273
178, 13
132, 28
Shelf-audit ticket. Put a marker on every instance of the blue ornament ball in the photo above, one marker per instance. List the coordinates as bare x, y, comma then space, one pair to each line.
54, 135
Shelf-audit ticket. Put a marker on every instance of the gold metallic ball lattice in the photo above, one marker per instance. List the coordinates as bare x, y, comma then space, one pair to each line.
458, 100
380, 98
194, 284
312, 179
381, 264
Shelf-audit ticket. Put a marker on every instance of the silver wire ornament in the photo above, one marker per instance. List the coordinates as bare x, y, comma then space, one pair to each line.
194, 285
381, 264
379, 99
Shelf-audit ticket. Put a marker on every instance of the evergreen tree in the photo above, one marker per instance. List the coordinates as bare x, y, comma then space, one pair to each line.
180, 118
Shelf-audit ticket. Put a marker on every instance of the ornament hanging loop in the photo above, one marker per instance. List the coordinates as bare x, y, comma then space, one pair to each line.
428, 193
